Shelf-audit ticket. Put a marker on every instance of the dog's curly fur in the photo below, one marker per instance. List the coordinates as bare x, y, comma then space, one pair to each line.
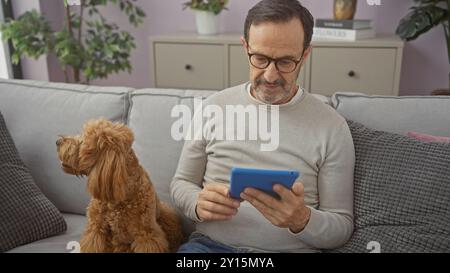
125, 214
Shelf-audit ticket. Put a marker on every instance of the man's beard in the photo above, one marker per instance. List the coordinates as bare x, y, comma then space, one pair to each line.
280, 92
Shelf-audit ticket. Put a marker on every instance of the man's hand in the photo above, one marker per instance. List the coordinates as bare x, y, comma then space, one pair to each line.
215, 204
289, 212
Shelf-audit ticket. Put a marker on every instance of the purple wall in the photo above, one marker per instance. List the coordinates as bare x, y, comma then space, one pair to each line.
425, 63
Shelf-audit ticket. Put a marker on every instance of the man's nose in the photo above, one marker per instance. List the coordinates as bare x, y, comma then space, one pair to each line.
271, 73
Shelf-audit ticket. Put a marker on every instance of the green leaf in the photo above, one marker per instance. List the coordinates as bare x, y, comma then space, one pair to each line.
15, 58
215, 6
102, 50
419, 21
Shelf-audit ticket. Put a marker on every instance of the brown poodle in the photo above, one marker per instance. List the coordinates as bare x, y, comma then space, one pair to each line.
125, 214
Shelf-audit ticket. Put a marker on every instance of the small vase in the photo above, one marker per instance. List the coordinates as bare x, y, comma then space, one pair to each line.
344, 9
207, 22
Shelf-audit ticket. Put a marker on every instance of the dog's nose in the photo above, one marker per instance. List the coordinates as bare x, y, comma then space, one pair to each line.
58, 142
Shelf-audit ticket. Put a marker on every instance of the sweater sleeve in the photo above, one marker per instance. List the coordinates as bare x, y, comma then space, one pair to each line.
188, 179
331, 224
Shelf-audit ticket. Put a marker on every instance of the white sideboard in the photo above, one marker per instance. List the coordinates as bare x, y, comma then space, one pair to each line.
191, 61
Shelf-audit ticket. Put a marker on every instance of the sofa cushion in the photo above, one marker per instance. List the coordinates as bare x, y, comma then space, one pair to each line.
26, 215
401, 193
151, 121
425, 114
37, 112
66, 242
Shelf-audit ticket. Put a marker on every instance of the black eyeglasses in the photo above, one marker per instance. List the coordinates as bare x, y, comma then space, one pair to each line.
283, 65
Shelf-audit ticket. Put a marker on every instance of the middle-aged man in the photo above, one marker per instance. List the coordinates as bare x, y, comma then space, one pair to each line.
317, 212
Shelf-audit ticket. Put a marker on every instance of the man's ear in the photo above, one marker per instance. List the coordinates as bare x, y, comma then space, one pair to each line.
244, 43
307, 52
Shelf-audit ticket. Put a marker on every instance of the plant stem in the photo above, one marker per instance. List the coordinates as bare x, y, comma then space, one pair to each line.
80, 42
76, 72
81, 20
447, 29
66, 77
447, 36
69, 20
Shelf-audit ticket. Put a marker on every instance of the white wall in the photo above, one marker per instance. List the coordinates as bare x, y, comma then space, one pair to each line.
31, 68
5, 65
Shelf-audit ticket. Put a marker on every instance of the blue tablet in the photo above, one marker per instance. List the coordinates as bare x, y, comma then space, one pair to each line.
261, 179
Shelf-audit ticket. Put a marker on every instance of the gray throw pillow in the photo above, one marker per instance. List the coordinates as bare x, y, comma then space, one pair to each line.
401, 193
26, 215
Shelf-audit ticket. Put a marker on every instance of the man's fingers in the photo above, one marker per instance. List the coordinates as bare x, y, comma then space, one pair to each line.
283, 192
220, 199
263, 198
217, 187
216, 208
210, 216
298, 189
218, 193
266, 211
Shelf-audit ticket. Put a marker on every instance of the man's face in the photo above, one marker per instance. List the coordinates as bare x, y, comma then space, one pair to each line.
275, 40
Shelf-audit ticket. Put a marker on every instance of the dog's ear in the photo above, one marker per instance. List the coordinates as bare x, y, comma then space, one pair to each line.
108, 178
102, 133
104, 150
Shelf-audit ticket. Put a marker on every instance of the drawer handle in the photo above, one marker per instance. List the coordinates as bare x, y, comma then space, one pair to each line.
188, 67
351, 73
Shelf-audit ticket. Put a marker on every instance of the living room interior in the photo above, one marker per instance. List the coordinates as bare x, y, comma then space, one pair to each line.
390, 75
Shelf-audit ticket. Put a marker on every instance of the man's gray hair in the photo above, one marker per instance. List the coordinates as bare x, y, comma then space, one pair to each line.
280, 11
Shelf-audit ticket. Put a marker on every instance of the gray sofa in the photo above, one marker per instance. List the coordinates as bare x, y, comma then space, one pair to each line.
36, 112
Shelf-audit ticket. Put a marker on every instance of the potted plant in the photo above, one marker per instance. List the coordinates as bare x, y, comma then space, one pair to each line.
206, 14
87, 47
425, 15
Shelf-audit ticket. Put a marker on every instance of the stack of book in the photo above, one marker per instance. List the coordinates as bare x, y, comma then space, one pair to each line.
347, 30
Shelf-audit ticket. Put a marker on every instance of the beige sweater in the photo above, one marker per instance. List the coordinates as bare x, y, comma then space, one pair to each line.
313, 139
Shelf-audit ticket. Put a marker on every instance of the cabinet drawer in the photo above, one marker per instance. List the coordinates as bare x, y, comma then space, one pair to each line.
367, 70
192, 66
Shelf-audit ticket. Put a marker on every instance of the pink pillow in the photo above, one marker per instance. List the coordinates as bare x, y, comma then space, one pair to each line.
428, 138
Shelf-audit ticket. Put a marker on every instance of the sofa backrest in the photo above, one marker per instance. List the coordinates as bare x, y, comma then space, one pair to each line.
37, 112
424, 114
151, 120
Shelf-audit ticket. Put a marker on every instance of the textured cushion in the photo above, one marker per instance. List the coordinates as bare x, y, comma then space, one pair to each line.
426, 114
428, 138
37, 112
151, 121
401, 193
76, 225
26, 215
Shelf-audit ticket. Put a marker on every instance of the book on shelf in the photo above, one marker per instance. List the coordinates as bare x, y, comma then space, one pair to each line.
344, 24
343, 34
